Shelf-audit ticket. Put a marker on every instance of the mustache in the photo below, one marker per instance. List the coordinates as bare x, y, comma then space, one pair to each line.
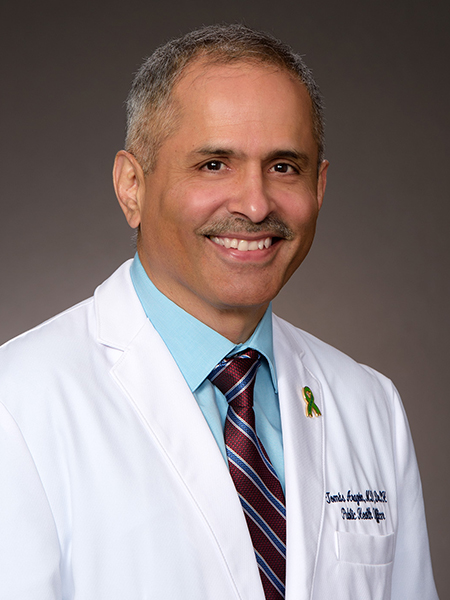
272, 225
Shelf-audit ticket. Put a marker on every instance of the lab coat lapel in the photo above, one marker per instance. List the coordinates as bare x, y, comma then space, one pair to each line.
151, 380
303, 457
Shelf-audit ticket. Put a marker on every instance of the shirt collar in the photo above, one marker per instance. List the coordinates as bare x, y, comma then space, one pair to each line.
196, 348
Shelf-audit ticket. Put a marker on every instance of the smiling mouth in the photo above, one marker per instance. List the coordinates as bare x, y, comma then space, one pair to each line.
242, 245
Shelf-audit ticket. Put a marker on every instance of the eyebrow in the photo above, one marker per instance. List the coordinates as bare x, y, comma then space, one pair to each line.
300, 157
281, 153
214, 151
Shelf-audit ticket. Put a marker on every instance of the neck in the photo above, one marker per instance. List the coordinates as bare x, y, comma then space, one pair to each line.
236, 324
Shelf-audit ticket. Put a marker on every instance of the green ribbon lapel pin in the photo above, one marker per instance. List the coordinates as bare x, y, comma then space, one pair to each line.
311, 406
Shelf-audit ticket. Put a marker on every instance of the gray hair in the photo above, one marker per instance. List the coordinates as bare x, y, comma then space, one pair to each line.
151, 112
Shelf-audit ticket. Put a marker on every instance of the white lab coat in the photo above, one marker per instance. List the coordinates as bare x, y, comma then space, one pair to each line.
112, 486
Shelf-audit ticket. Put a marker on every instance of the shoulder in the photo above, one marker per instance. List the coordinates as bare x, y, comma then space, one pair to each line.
55, 334
67, 345
38, 367
75, 322
332, 366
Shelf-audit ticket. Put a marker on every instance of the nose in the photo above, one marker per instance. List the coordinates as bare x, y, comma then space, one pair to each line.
250, 197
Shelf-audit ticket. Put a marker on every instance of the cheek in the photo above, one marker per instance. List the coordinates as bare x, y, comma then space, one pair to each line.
192, 202
301, 214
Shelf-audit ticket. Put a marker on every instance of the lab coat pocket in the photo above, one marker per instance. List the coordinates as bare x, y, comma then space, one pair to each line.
364, 549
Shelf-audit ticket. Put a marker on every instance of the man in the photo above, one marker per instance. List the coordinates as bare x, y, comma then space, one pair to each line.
170, 438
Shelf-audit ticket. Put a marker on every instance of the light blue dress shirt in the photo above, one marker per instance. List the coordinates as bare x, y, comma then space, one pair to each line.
197, 349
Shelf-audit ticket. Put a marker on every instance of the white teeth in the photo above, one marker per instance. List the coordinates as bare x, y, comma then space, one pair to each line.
242, 245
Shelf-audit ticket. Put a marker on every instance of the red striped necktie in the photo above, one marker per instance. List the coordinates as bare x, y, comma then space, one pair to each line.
256, 482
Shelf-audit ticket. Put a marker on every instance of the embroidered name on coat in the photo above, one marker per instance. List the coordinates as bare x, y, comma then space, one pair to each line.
359, 506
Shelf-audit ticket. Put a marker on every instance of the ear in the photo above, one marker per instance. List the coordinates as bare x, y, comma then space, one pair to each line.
129, 186
322, 182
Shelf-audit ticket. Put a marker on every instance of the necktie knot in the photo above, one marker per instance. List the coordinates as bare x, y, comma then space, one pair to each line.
235, 377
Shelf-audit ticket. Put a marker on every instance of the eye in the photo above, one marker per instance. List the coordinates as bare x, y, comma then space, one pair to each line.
283, 168
213, 165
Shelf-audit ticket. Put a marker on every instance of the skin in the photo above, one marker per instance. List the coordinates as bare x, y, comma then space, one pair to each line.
242, 159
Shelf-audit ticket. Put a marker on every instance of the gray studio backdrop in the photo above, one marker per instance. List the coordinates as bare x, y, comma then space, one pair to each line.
376, 283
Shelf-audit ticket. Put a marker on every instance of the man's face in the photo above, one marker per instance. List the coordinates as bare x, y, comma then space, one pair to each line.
229, 212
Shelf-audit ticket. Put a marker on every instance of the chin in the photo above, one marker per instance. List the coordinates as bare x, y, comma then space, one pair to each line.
248, 298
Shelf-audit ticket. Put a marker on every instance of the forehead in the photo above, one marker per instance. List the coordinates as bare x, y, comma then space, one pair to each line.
244, 96
215, 77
